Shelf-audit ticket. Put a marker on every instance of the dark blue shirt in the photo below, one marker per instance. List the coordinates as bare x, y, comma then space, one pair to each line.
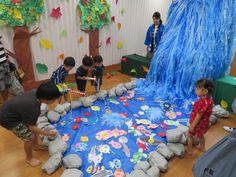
59, 75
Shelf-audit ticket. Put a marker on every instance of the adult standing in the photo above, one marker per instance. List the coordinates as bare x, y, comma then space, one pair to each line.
154, 34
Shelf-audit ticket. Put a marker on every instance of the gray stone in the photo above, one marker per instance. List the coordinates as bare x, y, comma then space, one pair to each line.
66, 106
53, 116
102, 94
112, 93
213, 119
76, 104
72, 173
218, 111
142, 165
57, 146
157, 160
173, 135
42, 119
72, 161
52, 163
164, 151
138, 173
153, 172
44, 109
177, 148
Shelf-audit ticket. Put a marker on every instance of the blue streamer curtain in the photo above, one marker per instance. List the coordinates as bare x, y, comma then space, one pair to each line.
198, 42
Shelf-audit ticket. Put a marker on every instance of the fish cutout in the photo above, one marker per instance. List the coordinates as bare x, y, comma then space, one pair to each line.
108, 40
163, 125
113, 19
65, 137
119, 173
142, 145
171, 122
56, 13
152, 126
145, 69
143, 121
146, 139
81, 40
116, 163
103, 173
95, 108
162, 134
45, 43
115, 144
105, 149
133, 71
119, 26
84, 139
95, 158
75, 126
79, 147
61, 56
87, 114
143, 130
124, 60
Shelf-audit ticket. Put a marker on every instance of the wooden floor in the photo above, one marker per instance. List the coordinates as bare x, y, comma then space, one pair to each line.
12, 157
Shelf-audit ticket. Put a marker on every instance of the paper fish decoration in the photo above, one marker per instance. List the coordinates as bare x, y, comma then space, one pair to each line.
15, 1
95, 108
75, 126
105, 149
87, 114
65, 137
140, 98
144, 107
63, 33
116, 163
81, 40
224, 104
56, 13
143, 121
119, 45
45, 43
124, 60
145, 69
79, 147
115, 144
153, 126
108, 40
171, 122
133, 71
119, 173
122, 11
61, 56
113, 19
119, 26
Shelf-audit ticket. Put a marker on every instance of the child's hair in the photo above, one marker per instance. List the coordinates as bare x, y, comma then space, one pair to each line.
87, 61
97, 59
48, 91
69, 62
206, 84
157, 15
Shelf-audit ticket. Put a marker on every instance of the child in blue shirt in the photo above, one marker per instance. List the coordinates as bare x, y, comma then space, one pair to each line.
58, 76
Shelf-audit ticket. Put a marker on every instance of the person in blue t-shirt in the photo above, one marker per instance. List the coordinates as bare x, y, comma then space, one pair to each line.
154, 34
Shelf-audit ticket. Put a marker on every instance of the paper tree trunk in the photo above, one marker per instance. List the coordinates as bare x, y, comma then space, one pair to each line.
21, 45
94, 42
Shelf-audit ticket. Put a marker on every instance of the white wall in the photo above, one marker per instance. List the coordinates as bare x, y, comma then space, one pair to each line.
135, 21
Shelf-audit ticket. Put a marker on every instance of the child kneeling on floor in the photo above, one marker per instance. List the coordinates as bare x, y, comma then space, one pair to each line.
20, 114
201, 112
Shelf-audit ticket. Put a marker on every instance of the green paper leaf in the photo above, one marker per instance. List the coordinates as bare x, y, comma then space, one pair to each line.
63, 33
42, 68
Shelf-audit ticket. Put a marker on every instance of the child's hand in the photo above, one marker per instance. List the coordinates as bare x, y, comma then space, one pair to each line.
52, 134
91, 78
191, 128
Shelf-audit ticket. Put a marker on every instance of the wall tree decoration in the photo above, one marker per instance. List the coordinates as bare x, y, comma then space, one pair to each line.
20, 15
94, 14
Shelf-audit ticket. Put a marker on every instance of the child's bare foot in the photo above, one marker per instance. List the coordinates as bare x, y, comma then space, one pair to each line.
202, 149
33, 162
40, 147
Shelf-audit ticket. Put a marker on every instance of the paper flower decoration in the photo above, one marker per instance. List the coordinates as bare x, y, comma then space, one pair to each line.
56, 13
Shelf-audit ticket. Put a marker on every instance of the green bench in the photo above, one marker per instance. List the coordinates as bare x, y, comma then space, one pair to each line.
135, 65
225, 91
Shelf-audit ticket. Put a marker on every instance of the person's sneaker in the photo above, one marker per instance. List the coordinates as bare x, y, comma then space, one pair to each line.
228, 129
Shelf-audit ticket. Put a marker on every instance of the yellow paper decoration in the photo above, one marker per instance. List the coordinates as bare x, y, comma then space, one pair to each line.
224, 104
119, 45
45, 43
95, 108
17, 14
84, 139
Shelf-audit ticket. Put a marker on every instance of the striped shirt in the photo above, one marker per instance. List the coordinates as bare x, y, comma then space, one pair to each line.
2, 53
59, 75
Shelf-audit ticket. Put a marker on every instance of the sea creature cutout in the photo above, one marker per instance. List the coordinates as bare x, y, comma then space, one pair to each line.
123, 140
143, 121
79, 147
103, 173
107, 134
150, 140
143, 130
138, 156
144, 107
153, 126
65, 137
132, 129
119, 173
141, 113
92, 170
116, 163
112, 100
115, 144
95, 158
104, 148
142, 145
171, 122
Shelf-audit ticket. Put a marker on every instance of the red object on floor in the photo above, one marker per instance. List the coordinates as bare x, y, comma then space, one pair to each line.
87, 114
75, 126
78, 119
161, 134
